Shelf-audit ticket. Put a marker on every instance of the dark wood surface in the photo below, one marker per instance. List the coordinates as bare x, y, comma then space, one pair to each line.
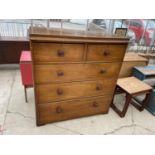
70, 69
10, 49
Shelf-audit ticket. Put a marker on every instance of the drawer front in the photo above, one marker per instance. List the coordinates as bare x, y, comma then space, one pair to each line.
58, 111
47, 93
72, 72
53, 52
106, 53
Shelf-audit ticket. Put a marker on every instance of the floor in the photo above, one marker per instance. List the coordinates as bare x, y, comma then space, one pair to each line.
18, 117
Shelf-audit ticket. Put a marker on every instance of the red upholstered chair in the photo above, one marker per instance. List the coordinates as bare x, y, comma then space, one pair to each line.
26, 71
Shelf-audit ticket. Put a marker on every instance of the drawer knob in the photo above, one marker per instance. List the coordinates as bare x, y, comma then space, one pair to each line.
95, 104
102, 71
59, 91
99, 87
106, 53
60, 53
59, 110
60, 73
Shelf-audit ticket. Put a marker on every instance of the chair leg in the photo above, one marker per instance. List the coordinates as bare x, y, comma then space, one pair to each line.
25, 94
141, 105
125, 108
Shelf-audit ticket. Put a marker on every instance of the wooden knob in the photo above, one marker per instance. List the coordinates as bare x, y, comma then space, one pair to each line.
95, 104
98, 87
102, 71
59, 91
60, 73
60, 53
59, 110
106, 53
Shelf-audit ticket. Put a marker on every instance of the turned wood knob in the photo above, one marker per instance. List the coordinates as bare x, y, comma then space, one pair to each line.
59, 91
99, 87
60, 73
95, 104
59, 110
106, 53
60, 53
102, 71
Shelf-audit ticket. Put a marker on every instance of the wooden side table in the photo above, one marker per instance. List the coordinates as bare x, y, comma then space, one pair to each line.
26, 71
132, 87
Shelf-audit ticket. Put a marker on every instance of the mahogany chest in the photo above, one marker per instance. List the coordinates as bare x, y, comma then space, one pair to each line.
74, 72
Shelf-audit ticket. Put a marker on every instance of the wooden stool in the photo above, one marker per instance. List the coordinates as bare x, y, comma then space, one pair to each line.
132, 87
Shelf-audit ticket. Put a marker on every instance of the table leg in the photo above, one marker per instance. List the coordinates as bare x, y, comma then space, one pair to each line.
25, 94
125, 108
141, 105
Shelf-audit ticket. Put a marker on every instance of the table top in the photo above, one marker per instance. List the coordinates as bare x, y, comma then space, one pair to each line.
148, 55
133, 85
134, 57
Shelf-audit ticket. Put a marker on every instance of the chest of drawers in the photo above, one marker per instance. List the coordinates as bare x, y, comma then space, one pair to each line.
74, 73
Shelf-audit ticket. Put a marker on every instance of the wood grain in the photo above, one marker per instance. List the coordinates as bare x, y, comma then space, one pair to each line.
133, 85
58, 111
127, 68
56, 92
47, 52
75, 72
38, 34
105, 53
131, 60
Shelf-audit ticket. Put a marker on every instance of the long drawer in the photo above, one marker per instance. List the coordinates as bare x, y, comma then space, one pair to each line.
58, 111
47, 93
74, 72
105, 53
56, 52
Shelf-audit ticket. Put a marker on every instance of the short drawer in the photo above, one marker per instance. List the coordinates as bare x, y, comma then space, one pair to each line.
75, 72
105, 53
47, 93
58, 111
55, 52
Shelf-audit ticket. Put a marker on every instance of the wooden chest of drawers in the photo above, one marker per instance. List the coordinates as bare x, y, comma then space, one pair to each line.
74, 73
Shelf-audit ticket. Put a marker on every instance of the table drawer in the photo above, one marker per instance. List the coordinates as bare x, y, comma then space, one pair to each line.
56, 92
55, 52
75, 72
58, 111
106, 53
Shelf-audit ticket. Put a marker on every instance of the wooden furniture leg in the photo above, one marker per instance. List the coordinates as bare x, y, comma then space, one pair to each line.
115, 91
141, 105
25, 94
125, 108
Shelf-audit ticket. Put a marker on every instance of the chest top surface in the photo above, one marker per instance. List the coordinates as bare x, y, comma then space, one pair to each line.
65, 35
